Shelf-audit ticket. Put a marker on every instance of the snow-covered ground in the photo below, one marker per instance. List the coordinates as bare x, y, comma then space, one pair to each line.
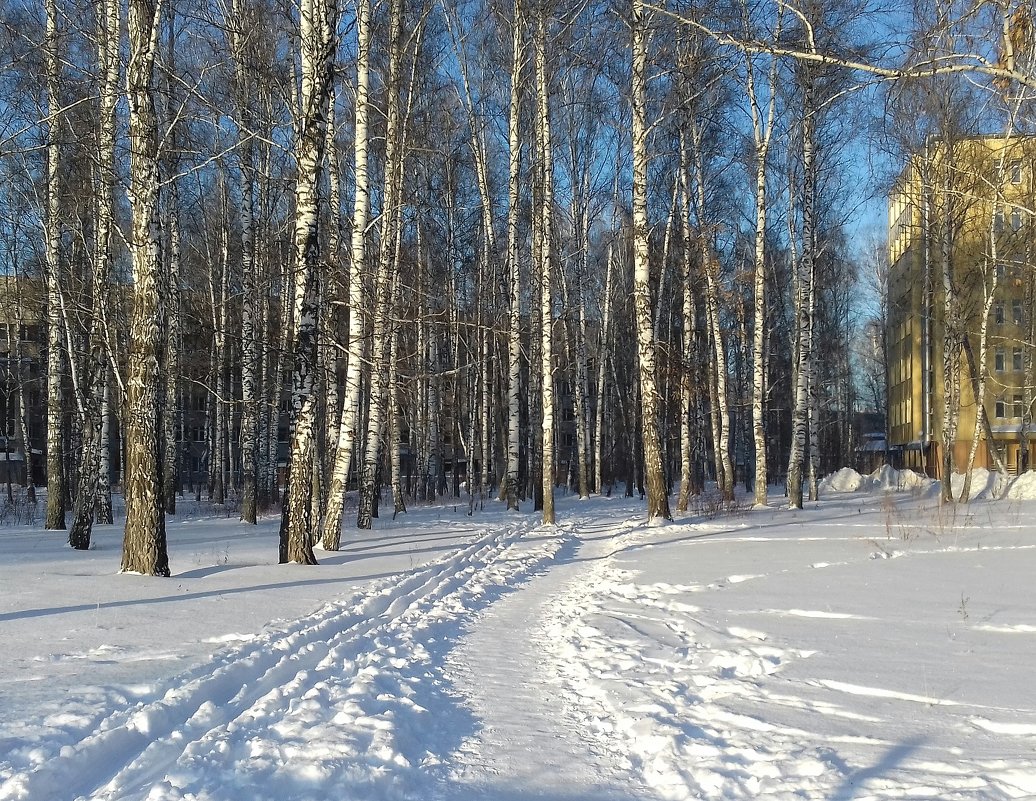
877, 645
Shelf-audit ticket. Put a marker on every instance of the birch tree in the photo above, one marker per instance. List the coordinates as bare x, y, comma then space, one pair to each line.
805, 297
762, 106
331, 526
514, 321
380, 349
55, 515
544, 261
94, 382
317, 44
657, 497
238, 32
144, 542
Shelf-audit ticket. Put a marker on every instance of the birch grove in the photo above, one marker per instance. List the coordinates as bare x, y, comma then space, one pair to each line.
310, 262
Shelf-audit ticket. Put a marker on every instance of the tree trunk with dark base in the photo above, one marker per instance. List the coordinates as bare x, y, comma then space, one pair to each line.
317, 43
144, 542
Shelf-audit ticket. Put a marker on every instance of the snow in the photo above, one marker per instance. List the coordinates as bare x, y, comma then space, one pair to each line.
888, 479
875, 645
845, 480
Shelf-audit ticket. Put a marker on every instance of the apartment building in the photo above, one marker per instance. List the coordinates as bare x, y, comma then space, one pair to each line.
961, 222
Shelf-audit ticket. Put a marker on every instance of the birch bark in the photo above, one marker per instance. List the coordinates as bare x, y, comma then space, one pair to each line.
239, 28
689, 325
710, 270
93, 493
514, 323
368, 479
331, 526
144, 541
657, 499
317, 22
55, 515
803, 309
545, 266
762, 129
603, 355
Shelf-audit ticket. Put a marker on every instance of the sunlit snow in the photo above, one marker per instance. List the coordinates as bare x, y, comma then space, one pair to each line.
875, 645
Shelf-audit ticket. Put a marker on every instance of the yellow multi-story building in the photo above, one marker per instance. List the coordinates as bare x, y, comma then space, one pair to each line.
962, 215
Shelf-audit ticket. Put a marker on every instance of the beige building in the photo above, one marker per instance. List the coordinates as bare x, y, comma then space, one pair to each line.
962, 211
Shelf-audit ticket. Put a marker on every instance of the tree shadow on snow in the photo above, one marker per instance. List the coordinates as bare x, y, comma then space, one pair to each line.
855, 781
187, 595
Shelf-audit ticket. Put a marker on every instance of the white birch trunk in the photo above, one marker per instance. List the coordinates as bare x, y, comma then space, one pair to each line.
93, 495
23, 414
144, 543
317, 21
603, 355
334, 295
394, 428
689, 325
103, 513
951, 333
239, 41
368, 481
55, 516
762, 131
173, 350
710, 270
657, 498
544, 267
983, 368
803, 318
514, 323
331, 526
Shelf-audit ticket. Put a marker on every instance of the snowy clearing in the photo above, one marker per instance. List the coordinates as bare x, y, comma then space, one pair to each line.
876, 645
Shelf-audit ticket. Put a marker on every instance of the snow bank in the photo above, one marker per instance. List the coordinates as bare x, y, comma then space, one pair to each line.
885, 479
889, 479
984, 484
845, 480
1022, 488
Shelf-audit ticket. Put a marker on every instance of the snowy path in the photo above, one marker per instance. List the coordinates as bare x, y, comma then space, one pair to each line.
529, 745
342, 698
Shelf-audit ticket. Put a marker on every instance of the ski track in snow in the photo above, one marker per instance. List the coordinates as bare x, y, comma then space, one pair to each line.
528, 746
337, 699
653, 679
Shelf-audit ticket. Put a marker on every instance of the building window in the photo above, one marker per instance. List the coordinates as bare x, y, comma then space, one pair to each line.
1019, 406
1001, 272
1016, 172
998, 313
998, 360
1017, 312
1016, 359
1000, 409
1016, 219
